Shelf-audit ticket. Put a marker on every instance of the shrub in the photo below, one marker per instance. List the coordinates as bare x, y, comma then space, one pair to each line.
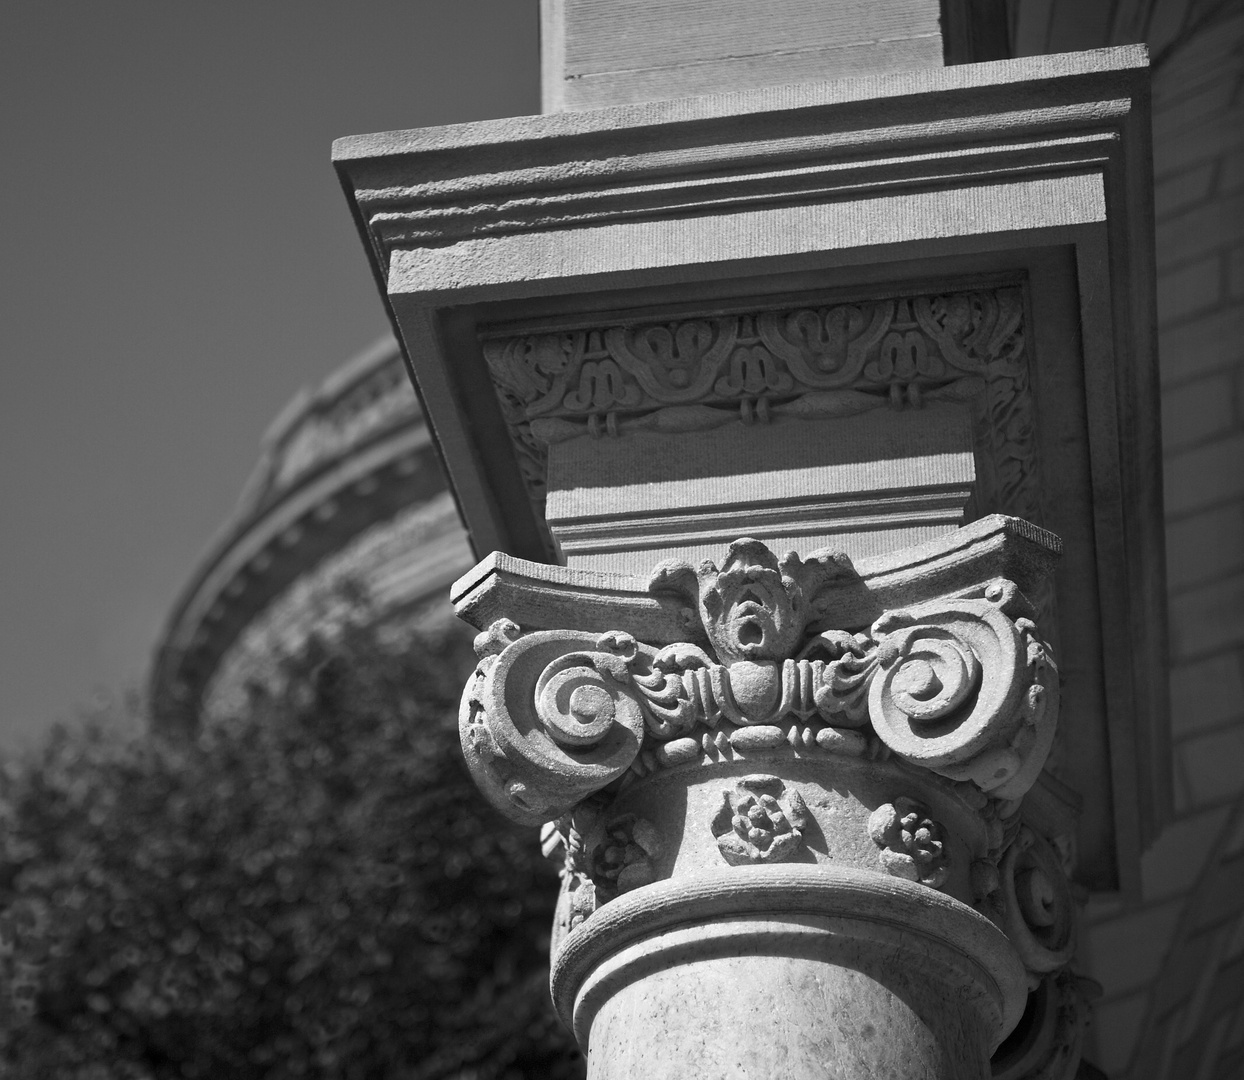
313, 888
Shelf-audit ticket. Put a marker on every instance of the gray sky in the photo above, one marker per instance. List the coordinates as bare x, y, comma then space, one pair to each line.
177, 260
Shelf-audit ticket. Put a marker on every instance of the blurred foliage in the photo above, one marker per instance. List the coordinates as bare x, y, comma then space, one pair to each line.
311, 889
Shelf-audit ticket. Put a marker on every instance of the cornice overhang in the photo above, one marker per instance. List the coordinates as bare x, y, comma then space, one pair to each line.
1034, 173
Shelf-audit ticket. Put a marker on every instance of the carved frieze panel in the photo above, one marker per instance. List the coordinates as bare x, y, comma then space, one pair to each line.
811, 363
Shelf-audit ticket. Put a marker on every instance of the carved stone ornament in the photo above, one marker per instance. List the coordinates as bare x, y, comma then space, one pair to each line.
624, 861
912, 844
1047, 1043
759, 822
961, 686
806, 363
1038, 908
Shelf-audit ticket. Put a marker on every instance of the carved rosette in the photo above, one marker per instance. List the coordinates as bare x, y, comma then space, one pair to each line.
759, 822
912, 844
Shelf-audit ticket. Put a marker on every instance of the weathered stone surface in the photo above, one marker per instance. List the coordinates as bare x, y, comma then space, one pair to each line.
597, 54
867, 422
814, 972
870, 483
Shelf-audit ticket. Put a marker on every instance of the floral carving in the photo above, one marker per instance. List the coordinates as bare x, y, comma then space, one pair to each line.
810, 363
1038, 908
624, 860
913, 845
757, 824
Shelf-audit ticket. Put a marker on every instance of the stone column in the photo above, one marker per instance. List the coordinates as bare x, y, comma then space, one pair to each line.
792, 843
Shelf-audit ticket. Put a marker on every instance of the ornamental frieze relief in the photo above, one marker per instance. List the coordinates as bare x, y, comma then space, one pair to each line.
805, 363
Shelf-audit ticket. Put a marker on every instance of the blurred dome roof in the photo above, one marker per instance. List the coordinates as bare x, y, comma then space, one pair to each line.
347, 489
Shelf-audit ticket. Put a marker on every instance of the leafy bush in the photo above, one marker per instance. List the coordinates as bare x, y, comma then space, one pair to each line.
312, 889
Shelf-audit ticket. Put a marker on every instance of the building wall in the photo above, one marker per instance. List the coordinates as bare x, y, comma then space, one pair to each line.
1171, 961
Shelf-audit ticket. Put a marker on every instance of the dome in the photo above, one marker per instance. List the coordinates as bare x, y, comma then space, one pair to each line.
347, 495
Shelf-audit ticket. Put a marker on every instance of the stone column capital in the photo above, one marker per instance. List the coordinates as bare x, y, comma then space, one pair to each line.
961, 685
757, 761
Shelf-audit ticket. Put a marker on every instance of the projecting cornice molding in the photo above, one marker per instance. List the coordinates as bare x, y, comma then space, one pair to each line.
878, 137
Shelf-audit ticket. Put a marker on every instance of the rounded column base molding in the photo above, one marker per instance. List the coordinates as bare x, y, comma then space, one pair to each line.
878, 976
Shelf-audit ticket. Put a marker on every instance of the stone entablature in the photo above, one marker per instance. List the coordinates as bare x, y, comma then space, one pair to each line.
795, 417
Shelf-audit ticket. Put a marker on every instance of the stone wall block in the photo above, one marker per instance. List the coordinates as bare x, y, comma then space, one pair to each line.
1189, 289
1207, 693
1184, 190
1197, 411
1180, 853
1204, 476
1210, 343
1231, 171
1209, 227
1211, 763
1207, 618
1136, 944
1200, 142
1205, 546
1235, 273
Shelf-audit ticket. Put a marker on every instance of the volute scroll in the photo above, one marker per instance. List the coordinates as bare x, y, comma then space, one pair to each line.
549, 718
966, 690
962, 685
